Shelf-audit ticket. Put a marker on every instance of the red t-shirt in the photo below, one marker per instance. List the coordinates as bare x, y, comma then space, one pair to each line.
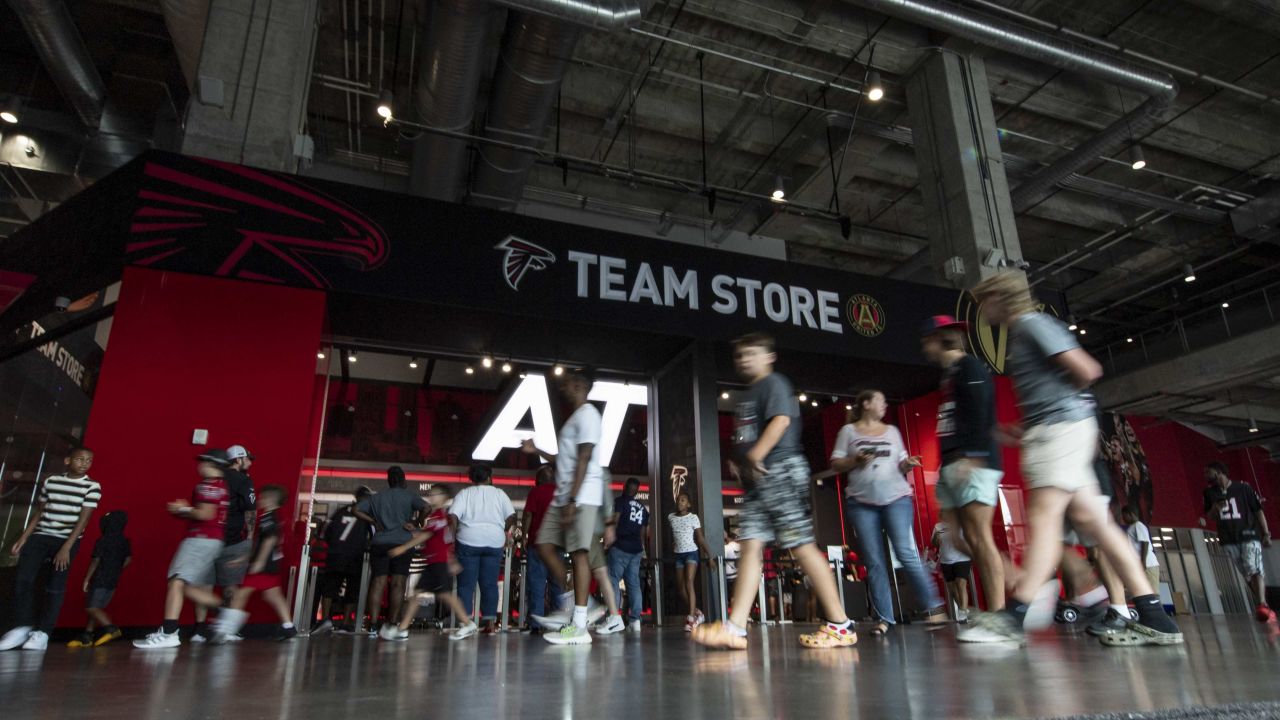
437, 547
210, 491
536, 504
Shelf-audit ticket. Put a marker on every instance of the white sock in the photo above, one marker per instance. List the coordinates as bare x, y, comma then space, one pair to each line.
1091, 598
580, 616
734, 629
1122, 610
287, 625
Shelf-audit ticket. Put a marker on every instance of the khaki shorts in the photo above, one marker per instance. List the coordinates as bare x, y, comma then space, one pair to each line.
582, 535
1060, 455
1153, 576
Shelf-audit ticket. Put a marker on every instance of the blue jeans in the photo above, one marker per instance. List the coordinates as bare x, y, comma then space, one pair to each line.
895, 520
626, 566
536, 585
483, 564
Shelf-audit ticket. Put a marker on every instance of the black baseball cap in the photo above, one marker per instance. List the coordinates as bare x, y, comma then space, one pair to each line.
218, 457
942, 322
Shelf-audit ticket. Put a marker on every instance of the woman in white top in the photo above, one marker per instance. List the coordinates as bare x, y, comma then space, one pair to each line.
878, 503
689, 547
482, 517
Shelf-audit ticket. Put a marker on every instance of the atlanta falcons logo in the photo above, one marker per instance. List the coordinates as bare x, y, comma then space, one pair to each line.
521, 257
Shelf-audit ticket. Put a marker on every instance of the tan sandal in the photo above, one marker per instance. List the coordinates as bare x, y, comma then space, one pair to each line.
717, 635
828, 637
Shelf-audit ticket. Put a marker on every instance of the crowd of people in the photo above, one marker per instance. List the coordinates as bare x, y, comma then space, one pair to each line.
234, 540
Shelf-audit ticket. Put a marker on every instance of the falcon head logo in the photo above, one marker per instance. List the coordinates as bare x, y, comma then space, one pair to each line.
520, 257
679, 477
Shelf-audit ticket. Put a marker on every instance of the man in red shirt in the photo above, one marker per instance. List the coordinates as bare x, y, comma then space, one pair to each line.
436, 540
535, 508
192, 567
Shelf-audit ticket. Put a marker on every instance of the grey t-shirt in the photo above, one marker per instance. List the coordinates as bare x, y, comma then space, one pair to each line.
1046, 394
392, 508
766, 399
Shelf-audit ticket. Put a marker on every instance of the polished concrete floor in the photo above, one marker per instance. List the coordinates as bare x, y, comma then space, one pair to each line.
911, 673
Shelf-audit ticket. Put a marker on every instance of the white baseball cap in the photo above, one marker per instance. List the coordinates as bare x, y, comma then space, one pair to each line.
235, 452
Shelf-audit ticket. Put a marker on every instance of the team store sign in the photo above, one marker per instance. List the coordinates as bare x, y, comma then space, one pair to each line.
532, 397
612, 278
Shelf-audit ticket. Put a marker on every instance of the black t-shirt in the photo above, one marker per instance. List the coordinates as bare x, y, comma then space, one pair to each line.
268, 527
967, 413
763, 401
346, 535
240, 500
111, 552
1238, 514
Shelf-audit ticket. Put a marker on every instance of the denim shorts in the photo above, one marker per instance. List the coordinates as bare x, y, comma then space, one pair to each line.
686, 558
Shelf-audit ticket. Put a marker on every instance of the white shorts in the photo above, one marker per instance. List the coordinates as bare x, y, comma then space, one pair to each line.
1060, 455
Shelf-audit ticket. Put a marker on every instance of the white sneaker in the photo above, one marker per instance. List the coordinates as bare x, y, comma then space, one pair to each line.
324, 627
400, 636
199, 639
595, 611
569, 635
962, 616
158, 639
1043, 606
388, 632
610, 625
37, 640
633, 626
464, 632
15, 637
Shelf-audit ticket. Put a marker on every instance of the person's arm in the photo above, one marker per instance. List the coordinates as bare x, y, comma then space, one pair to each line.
841, 460
769, 439
264, 554
63, 559
366, 517
905, 462
1256, 505
527, 446
1083, 370
413, 542
28, 530
701, 541
93, 567
579, 475
933, 540
526, 522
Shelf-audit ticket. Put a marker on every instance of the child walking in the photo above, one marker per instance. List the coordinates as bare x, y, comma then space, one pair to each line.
111, 554
437, 576
690, 549
264, 573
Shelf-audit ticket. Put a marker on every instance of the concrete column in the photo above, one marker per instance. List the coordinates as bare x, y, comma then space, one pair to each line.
962, 179
251, 83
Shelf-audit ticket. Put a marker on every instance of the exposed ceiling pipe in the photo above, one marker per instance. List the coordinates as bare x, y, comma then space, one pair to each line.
451, 66
186, 21
57, 41
603, 15
1160, 88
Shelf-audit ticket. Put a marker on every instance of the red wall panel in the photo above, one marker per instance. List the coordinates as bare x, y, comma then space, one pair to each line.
187, 352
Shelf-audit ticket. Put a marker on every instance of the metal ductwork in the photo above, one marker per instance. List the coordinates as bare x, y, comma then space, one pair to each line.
57, 41
535, 56
1160, 88
453, 61
186, 20
607, 16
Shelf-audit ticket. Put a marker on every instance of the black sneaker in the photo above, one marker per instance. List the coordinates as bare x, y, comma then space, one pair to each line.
1110, 623
286, 633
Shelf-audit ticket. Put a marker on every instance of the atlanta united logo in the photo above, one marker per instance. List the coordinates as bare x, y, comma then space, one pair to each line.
989, 342
865, 314
520, 257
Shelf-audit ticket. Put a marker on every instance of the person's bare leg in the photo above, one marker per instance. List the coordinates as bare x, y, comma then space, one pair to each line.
814, 564
326, 605
410, 609
975, 519
1258, 588
1077, 573
1090, 520
396, 597
1107, 574
691, 587
606, 589
202, 596
275, 598
551, 557
581, 577
961, 593
453, 603
202, 612
682, 588
1045, 510
98, 617
750, 561
376, 586
241, 598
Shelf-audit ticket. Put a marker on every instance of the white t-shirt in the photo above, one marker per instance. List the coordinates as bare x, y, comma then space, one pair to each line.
879, 482
482, 512
682, 527
1138, 534
582, 427
947, 552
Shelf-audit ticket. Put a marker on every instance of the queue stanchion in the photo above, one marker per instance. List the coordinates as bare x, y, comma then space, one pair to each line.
655, 569
782, 604
523, 603
764, 603
504, 604
362, 601
291, 594
304, 620
724, 588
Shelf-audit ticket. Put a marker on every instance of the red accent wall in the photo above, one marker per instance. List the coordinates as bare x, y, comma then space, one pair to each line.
187, 352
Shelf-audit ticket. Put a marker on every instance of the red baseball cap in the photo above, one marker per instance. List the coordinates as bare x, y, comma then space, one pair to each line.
942, 322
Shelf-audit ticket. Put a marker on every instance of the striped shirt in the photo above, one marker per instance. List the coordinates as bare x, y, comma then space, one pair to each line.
63, 499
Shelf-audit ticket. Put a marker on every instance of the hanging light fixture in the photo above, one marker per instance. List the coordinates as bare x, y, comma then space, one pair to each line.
486, 361
875, 91
1253, 425
558, 370
1072, 326
9, 111
506, 367
1226, 305
724, 396
779, 189
470, 370
351, 356
385, 100
1188, 273
413, 363
803, 397
320, 354
1137, 160
1128, 339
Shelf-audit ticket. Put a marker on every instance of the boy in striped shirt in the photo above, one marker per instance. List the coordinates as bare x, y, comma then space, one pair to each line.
62, 512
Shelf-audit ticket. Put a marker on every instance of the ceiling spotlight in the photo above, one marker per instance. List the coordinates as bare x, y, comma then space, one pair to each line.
803, 397
848, 406
1253, 425
1072, 320
413, 363
1226, 305
724, 396
1188, 274
523, 375
384, 104
814, 403
1083, 331
779, 189
875, 91
320, 354
506, 367
1128, 340
558, 370
9, 111
486, 361
1137, 160
351, 356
